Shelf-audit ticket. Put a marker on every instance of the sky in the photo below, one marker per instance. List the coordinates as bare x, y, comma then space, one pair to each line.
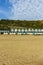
21, 9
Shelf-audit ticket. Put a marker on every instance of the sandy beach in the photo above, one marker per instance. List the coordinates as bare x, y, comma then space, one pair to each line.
21, 50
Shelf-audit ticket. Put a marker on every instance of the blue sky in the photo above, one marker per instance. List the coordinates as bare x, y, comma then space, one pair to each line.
21, 9
5, 9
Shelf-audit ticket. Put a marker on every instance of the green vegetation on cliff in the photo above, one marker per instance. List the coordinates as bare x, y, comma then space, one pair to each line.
8, 24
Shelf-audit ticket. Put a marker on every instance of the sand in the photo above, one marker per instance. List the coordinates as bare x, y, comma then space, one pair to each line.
21, 50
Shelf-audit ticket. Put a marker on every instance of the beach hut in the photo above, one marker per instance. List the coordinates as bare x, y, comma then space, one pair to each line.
29, 30
12, 30
39, 33
19, 30
1, 31
32, 30
36, 30
26, 30
41, 30
19, 33
23, 33
28, 33
10, 33
15, 30
22, 30
5, 33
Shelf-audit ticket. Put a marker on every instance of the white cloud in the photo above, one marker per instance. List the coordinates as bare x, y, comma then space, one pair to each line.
27, 9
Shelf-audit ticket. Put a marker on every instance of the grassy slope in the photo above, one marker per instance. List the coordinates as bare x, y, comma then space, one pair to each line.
8, 24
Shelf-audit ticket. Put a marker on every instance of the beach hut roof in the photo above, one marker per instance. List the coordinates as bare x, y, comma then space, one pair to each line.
29, 29
26, 30
32, 29
39, 29
19, 30
36, 29
12, 29
22, 30
15, 29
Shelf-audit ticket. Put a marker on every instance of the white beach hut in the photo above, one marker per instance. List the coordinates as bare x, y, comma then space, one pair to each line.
39, 33
5, 32
15, 30
41, 30
26, 31
12, 30
36, 30
19, 33
22, 30
19, 30
32, 30
29, 30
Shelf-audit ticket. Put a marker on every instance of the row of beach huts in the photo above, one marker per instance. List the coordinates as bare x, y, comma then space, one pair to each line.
23, 31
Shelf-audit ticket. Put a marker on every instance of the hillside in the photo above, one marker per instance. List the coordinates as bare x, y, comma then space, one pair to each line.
8, 24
